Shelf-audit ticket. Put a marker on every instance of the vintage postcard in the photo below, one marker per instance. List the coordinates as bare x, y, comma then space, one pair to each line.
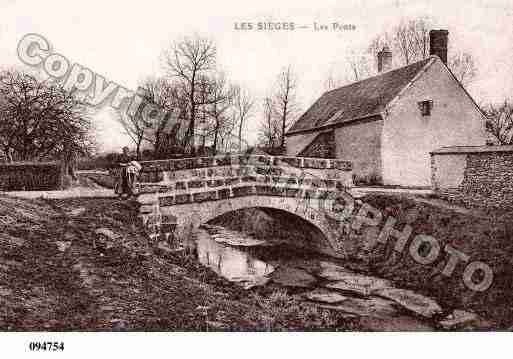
256, 166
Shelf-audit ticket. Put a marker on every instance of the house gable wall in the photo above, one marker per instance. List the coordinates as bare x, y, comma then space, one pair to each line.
360, 143
409, 137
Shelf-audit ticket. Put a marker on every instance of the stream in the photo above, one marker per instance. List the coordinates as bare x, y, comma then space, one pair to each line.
316, 278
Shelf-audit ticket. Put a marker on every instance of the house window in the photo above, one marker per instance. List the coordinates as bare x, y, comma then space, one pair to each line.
425, 107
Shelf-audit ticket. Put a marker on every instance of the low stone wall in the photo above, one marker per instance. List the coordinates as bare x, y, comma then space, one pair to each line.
23, 176
231, 160
474, 176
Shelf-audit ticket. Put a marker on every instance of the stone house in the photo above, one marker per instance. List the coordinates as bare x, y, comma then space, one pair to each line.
388, 124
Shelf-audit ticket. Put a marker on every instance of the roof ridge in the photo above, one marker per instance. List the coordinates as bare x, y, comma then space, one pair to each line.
359, 99
430, 57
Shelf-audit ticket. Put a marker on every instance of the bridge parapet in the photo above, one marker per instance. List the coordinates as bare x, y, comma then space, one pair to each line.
231, 160
174, 169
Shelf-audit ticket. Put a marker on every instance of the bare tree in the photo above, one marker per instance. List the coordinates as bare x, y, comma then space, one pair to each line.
285, 99
188, 62
499, 122
135, 127
220, 100
330, 82
41, 121
243, 106
410, 41
359, 67
166, 135
463, 67
270, 129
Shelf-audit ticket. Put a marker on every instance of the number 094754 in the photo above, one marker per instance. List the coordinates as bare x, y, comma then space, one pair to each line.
46, 346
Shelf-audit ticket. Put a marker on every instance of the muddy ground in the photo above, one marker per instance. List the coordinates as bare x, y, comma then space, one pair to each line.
85, 264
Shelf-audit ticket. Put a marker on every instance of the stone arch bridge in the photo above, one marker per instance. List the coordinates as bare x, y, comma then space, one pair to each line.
178, 195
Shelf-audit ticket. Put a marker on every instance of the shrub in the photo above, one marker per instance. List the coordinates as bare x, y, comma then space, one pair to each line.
284, 312
31, 176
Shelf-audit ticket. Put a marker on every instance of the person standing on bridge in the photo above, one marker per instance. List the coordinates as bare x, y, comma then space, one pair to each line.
125, 187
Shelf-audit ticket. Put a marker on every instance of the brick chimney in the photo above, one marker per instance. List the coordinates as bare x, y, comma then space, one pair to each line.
384, 59
438, 40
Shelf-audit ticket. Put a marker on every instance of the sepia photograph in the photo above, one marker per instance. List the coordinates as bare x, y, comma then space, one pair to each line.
201, 178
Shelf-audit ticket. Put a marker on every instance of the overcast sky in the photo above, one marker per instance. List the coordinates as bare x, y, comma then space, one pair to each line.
124, 40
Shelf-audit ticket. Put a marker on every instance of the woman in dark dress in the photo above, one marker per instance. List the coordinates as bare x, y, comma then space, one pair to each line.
125, 185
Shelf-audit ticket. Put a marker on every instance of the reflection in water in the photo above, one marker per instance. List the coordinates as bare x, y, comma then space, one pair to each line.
231, 262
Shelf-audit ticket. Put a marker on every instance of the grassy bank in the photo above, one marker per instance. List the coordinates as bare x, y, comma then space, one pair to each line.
485, 237
58, 273
482, 237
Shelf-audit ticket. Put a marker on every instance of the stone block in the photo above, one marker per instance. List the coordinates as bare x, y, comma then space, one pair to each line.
314, 163
277, 179
215, 183
196, 184
205, 196
146, 208
292, 180
249, 179
243, 191
182, 198
224, 161
232, 181
180, 186
343, 165
292, 192
291, 161
180, 164
223, 193
167, 201
263, 190
205, 161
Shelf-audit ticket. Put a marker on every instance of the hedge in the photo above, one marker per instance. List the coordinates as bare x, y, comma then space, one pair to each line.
31, 176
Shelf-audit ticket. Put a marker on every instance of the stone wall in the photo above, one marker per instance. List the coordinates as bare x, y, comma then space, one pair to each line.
164, 172
480, 176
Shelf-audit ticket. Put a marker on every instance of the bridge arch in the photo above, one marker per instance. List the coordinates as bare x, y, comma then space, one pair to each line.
190, 216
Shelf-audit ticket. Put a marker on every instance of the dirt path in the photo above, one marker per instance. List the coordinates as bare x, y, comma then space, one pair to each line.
84, 187
78, 192
440, 203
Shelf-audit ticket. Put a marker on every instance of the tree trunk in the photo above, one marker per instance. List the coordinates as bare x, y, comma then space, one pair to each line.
240, 136
138, 150
216, 132
283, 121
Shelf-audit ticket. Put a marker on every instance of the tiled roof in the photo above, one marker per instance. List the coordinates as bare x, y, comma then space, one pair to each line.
357, 100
